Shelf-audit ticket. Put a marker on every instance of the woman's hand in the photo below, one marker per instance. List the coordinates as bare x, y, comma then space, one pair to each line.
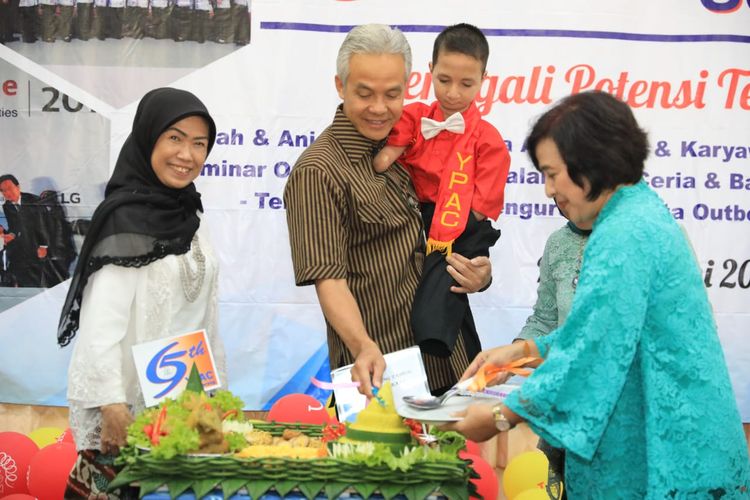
115, 421
478, 423
471, 275
499, 356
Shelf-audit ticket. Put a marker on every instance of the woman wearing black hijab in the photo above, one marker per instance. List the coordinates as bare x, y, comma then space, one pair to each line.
146, 271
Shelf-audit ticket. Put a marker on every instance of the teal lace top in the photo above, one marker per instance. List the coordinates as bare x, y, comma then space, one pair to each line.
634, 385
558, 270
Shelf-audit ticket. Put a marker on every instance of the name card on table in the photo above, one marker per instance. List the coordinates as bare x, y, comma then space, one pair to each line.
405, 371
164, 365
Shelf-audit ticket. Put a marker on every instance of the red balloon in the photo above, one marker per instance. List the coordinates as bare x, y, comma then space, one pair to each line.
487, 484
66, 437
49, 470
16, 452
473, 448
19, 496
298, 408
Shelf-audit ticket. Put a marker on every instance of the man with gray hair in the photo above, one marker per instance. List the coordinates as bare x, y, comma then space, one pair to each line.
356, 234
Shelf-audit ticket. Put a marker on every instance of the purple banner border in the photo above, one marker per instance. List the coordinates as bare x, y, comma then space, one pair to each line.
532, 33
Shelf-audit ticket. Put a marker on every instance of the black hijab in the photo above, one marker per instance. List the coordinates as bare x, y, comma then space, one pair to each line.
140, 220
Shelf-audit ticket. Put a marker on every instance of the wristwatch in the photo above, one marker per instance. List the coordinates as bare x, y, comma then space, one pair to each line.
501, 422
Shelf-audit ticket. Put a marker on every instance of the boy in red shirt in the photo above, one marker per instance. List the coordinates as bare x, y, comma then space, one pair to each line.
459, 165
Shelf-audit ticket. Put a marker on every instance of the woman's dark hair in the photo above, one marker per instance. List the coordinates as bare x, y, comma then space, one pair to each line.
598, 139
463, 39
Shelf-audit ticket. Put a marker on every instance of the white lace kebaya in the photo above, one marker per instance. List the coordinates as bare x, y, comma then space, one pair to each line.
124, 306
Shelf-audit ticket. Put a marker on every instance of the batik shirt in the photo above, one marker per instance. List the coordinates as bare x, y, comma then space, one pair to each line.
348, 222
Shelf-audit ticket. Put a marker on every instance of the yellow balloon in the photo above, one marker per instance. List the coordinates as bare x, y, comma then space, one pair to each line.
45, 435
526, 471
331, 409
534, 494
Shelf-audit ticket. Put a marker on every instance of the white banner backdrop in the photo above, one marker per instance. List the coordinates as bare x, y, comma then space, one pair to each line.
684, 67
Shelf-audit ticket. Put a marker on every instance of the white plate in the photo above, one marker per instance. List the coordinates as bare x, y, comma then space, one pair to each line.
440, 415
444, 413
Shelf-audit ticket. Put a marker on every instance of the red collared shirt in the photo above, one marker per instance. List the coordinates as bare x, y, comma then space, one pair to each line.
424, 159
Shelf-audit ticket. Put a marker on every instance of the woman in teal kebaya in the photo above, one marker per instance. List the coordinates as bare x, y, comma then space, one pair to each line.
634, 385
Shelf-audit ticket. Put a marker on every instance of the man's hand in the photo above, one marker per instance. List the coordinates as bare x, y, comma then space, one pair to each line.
479, 217
471, 275
342, 312
8, 237
115, 421
368, 368
478, 423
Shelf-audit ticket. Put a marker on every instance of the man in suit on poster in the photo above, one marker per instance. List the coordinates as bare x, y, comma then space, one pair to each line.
61, 252
31, 242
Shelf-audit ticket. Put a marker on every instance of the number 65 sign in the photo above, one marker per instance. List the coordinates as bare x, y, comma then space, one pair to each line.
163, 365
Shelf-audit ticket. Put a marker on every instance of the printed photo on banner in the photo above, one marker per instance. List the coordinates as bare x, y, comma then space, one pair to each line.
164, 365
45, 204
47, 21
117, 50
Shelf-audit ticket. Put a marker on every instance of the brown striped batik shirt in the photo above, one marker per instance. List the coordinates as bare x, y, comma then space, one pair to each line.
348, 222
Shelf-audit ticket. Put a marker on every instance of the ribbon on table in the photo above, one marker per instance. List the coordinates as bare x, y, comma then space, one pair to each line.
330, 386
487, 372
